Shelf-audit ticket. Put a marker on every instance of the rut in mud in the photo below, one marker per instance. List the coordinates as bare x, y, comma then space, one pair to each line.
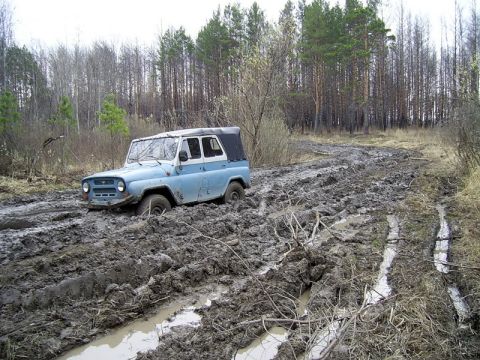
69, 275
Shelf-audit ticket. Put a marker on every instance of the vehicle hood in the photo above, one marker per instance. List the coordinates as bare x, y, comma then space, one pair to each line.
136, 172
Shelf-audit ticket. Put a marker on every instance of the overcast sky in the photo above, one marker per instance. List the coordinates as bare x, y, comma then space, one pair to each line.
53, 22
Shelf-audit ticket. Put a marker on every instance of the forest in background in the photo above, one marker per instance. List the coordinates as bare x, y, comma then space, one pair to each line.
320, 68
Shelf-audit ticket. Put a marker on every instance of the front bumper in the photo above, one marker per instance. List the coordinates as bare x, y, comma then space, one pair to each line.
107, 204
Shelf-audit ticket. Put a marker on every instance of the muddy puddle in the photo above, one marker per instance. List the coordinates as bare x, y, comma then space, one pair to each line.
440, 254
143, 335
321, 341
41, 207
382, 289
440, 259
265, 347
342, 229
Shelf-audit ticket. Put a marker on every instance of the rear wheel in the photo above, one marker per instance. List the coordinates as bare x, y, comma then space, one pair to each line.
234, 192
153, 204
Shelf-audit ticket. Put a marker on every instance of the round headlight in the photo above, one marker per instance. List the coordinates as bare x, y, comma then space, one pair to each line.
121, 186
86, 187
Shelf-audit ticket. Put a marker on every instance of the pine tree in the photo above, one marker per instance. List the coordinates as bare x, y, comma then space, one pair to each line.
9, 114
64, 117
112, 119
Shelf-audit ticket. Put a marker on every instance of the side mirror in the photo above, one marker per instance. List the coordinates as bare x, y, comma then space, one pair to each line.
182, 155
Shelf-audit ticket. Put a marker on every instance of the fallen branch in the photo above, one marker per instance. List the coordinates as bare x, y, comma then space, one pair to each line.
293, 321
241, 260
329, 230
452, 264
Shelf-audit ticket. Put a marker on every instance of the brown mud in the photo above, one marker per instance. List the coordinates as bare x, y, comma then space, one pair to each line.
69, 275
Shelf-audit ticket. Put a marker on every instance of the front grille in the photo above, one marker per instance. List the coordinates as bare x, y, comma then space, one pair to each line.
104, 192
103, 182
105, 189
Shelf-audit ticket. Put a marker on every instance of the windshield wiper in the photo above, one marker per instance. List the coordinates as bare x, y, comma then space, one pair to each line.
135, 160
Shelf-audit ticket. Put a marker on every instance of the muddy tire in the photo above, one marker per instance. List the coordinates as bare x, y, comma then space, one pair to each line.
235, 192
154, 204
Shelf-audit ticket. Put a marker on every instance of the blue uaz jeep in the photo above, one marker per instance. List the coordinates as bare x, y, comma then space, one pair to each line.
174, 168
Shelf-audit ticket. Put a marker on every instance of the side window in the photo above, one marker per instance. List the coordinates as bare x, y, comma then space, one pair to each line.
192, 147
211, 147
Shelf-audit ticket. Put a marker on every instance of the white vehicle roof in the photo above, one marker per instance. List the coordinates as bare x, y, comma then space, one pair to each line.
195, 132
229, 136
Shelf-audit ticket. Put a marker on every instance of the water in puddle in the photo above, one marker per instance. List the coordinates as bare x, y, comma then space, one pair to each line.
440, 258
266, 268
382, 289
344, 227
440, 254
264, 347
321, 341
262, 207
303, 303
345, 223
460, 305
141, 335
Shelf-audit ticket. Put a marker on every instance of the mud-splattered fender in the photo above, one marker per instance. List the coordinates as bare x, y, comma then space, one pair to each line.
141, 187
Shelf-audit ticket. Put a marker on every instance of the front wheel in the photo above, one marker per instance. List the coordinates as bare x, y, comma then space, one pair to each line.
234, 193
153, 204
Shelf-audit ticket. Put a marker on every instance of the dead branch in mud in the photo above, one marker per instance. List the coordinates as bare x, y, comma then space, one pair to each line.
315, 228
352, 318
242, 260
442, 262
329, 230
452, 264
293, 321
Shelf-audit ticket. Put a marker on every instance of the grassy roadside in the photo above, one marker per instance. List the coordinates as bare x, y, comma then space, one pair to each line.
466, 244
11, 186
422, 314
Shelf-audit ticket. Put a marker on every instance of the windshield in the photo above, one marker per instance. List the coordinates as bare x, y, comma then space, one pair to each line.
153, 149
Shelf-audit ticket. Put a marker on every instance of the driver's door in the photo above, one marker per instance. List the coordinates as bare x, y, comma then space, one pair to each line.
190, 172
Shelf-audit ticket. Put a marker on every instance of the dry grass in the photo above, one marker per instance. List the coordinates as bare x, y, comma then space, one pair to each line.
469, 196
466, 248
422, 313
431, 143
10, 186
468, 200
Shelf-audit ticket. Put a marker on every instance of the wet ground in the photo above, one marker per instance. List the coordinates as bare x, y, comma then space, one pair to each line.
226, 281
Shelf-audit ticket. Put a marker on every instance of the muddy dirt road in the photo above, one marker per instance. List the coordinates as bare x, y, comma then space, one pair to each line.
319, 228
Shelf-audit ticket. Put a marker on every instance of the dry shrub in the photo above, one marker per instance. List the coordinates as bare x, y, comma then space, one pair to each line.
465, 130
254, 105
42, 150
273, 143
469, 196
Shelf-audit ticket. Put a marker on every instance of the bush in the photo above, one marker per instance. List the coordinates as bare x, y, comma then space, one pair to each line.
466, 130
255, 107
